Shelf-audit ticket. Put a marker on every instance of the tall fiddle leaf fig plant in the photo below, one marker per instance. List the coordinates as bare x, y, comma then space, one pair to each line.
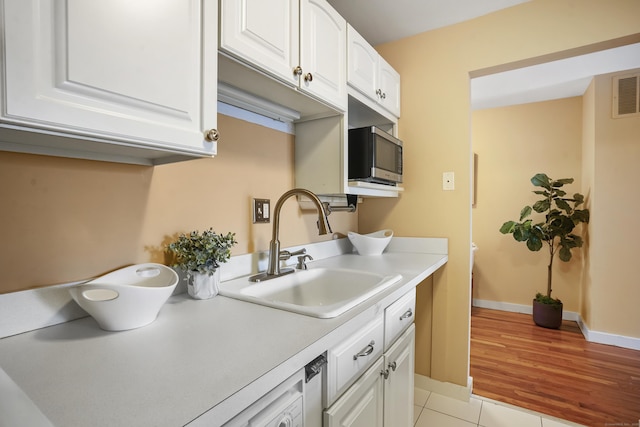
555, 228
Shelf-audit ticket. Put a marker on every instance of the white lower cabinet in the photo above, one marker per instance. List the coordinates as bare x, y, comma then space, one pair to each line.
398, 386
362, 404
398, 316
349, 359
383, 395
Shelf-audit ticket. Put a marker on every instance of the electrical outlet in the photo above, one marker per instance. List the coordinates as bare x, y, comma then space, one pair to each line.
448, 181
261, 210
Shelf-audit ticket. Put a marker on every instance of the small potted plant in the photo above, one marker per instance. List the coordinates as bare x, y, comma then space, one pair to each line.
199, 255
560, 217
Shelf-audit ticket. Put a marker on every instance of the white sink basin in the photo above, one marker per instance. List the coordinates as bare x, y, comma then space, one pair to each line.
317, 292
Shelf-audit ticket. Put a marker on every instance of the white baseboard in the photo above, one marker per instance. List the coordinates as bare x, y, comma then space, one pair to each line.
591, 336
454, 391
518, 308
609, 339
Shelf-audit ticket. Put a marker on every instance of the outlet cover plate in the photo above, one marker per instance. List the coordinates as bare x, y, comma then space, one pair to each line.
448, 181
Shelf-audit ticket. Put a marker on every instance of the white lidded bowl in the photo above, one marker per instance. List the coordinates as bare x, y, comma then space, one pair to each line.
372, 243
127, 298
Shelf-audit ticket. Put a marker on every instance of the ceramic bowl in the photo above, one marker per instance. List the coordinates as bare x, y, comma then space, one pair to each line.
127, 298
372, 243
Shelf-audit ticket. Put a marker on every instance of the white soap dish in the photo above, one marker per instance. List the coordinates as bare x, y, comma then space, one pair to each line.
372, 243
127, 298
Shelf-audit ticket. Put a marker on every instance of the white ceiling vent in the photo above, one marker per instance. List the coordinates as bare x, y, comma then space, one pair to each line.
626, 95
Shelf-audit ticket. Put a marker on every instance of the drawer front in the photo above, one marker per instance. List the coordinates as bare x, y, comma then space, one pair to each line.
398, 316
362, 404
352, 357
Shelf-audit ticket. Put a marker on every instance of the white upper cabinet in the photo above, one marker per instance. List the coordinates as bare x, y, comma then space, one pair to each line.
389, 91
299, 42
114, 79
370, 74
323, 41
262, 32
362, 64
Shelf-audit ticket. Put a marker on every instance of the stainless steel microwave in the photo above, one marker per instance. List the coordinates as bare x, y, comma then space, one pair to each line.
374, 156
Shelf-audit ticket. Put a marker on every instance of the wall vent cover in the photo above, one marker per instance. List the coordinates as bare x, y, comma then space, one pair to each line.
626, 95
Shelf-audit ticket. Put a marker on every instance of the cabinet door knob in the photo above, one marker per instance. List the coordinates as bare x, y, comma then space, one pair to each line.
393, 366
297, 71
308, 77
385, 373
212, 135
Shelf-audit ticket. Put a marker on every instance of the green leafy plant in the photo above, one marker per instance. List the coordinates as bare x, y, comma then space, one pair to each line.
560, 217
201, 252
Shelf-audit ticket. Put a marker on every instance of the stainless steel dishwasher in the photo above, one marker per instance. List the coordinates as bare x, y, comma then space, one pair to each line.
296, 402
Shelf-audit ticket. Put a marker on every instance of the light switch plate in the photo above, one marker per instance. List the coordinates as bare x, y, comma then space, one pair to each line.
448, 181
261, 211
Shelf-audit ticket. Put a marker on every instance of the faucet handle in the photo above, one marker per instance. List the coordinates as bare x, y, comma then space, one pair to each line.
285, 255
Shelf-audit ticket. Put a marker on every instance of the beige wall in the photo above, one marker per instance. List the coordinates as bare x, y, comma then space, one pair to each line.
613, 300
435, 126
513, 144
65, 219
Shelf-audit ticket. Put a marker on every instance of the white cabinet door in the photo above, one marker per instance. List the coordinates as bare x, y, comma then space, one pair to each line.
138, 73
362, 64
389, 81
323, 52
262, 32
398, 386
362, 404
300, 42
370, 74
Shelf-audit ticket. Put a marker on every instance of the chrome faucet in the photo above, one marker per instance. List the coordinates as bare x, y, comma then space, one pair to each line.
274, 269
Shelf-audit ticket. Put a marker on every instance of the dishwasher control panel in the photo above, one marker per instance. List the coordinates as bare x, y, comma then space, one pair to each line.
289, 417
281, 407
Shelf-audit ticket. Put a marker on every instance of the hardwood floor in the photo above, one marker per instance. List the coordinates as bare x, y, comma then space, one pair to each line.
554, 372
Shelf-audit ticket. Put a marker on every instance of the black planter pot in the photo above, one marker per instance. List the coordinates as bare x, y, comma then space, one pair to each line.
547, 315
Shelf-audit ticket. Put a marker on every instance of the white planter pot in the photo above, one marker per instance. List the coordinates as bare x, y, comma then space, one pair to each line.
204, 286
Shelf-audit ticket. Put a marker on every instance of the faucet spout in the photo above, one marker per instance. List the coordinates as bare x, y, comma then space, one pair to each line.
273, 269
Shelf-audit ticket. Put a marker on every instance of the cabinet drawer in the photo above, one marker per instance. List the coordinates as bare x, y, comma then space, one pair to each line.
362, 404
351, 357
398, 316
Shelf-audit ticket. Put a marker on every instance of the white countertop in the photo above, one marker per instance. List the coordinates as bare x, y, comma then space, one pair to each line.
200, 360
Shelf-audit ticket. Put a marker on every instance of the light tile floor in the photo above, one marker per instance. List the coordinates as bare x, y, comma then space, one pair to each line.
431, 409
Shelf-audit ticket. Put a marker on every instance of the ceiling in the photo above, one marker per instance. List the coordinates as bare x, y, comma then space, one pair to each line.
381, 21
558, 79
